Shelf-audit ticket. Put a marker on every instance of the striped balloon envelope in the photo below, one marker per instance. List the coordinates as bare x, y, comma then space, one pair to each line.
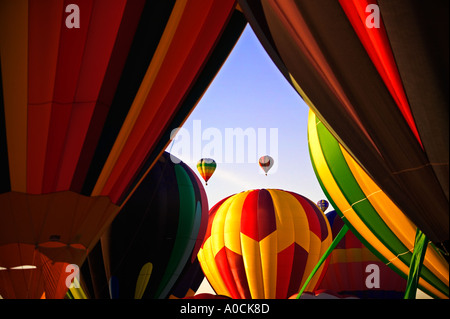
266, 163
369, 212
263, 244
206, 167
376, 73
85, 113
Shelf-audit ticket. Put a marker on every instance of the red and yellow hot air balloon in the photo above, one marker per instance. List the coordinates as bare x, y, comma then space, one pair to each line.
85, 112
263, 244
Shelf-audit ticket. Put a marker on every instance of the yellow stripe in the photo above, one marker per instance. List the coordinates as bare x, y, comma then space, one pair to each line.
232, 228
311, 262
14, 59
141, 95
268, 251
282, 202
252, 263
221, 229
394, 218
142, 281
209, 267
333, 189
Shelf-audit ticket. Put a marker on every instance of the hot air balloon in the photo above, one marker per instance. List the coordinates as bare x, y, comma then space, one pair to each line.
263, 244
353, 270
323, 205
84, 114
151, 247
206, 167
369, 213
266, 163
391, 111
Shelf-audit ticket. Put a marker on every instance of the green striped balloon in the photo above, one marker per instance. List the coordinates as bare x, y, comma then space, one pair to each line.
206, 167
369, 213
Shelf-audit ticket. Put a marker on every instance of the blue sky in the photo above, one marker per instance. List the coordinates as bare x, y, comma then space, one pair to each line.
249, 93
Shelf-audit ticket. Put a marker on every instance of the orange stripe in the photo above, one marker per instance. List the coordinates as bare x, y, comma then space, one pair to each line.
198, 30
14, 59
141, 96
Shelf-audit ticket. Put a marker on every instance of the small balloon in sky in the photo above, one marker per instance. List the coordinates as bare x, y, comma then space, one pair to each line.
323, 205
206, 167
266, 163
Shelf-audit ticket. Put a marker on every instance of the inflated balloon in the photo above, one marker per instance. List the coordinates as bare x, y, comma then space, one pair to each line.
353, 270
369, 213
206, 167
323, 205
266, 163
263, 244
87, 107
188, 282
151, 247
391, 111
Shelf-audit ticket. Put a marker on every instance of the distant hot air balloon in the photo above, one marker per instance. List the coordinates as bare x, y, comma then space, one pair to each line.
266, 163
206, 167
369, 213
353, 270
84, 114
263, 244
391, 111
323, 205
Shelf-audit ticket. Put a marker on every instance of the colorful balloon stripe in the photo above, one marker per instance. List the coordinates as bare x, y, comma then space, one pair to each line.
377, 221
263, 244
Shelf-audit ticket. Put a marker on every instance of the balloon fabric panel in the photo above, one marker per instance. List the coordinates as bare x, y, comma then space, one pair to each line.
347, 186
67, 101
365, 107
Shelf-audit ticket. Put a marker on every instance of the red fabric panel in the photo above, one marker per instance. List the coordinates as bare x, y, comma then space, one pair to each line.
103, 27
316, 223
249, 216
285, 260
237, 267
37, 135
48, 276
43, 45
212, 213
258, 215
59, 124
377, 45
53, 68
298, 267
78, 126
131, 16
170, 87
225, 272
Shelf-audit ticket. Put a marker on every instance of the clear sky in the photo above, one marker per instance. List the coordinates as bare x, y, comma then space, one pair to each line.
249, 99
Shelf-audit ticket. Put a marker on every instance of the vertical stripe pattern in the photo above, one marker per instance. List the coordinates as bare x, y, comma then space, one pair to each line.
369, 212
263, 244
